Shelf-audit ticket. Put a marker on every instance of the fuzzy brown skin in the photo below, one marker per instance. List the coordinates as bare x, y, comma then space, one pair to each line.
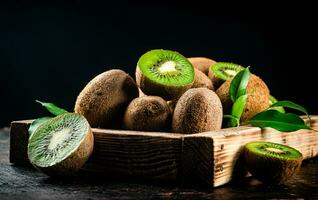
257, 100
172, 105
104, 99
75, 161
150, 87
271, 170
198, 110
201, 80
148, 113
217, 82
201, 63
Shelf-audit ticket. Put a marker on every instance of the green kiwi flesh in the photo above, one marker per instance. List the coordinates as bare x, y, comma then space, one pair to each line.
164, 73
105, 98
222, 71
273, 100
271, 162
148, 113
197, 110
61, 145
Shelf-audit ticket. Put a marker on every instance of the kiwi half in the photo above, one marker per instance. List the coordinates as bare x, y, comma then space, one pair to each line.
105, 98
222, 71
257, 99
148, 113
164, 73
271, 162
201, 63
61, 145
273, 100
197, 110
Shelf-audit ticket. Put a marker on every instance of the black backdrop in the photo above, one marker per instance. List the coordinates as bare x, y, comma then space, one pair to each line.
49, 51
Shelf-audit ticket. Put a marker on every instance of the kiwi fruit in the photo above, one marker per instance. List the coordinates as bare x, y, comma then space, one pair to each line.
271, 162
257, 99
148, 113
104, 99
61, 145
141, 94
273, 100
172, 105
201, 80
222, 71
201, 63
197, 110
164, 73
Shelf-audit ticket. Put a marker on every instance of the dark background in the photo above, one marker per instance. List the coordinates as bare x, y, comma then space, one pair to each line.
49, 51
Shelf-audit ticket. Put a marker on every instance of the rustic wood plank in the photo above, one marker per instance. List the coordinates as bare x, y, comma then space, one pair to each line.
220, 166
207, 158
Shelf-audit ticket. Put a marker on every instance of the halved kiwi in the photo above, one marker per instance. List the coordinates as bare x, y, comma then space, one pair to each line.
222, 71
273, 100
164, 73
61, 145
271, 162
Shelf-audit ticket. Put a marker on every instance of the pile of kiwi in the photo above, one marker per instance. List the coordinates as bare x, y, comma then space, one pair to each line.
170, 93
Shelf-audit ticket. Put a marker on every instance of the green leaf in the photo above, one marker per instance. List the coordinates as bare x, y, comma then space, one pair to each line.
239, 84
237, 120
273, 100
292, 105
238, 108
36, 123
285, 122
55, 110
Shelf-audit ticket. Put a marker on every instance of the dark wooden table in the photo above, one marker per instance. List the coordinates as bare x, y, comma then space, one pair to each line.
18, 182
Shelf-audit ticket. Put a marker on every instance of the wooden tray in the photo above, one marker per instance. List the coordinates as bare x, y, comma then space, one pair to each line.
205, 158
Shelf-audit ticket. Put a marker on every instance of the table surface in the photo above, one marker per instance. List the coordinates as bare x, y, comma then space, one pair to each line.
18, 182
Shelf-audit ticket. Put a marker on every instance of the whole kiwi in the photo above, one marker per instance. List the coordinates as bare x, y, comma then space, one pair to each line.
257, 99
201, 80
201, 63
148, 113
104, 99
197, 110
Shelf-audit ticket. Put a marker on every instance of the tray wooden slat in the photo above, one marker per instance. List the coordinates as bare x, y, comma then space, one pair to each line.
211, 158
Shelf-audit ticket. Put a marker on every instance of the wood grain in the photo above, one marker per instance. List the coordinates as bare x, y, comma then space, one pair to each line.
210, 158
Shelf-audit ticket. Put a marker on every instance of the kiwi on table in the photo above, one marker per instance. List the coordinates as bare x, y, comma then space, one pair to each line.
222, 71
271, 162
273, 100
201, 63
104, 99
201, 80
257, 99
197, 110
61, 145
164, 73
148, 113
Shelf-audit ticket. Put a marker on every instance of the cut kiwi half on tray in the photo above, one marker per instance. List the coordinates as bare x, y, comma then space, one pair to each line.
164, 73
61, 145
271, 162
223, 71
